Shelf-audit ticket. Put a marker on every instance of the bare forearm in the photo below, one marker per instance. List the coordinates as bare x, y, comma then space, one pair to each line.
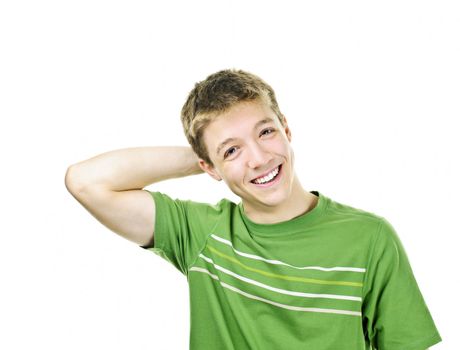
134, 168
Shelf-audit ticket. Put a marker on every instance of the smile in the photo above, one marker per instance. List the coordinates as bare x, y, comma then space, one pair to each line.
269, 179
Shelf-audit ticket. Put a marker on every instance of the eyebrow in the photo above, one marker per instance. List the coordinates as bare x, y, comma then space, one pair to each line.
231, 139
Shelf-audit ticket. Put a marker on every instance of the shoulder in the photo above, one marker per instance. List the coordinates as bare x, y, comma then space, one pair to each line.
360, 219
352, 212
372, 230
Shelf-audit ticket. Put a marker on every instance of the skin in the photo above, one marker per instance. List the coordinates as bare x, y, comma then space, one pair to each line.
253, 153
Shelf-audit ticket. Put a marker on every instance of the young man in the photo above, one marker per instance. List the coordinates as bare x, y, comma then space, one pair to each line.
282, 269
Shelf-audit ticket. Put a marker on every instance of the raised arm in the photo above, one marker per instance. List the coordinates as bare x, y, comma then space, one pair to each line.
110, 186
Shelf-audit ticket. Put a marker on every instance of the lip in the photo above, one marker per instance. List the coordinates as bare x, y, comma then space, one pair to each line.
277, 179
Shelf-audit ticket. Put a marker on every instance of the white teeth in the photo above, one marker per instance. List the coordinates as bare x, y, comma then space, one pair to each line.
267, 177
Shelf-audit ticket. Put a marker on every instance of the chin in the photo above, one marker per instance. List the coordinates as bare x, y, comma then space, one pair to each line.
275, 202
271, 201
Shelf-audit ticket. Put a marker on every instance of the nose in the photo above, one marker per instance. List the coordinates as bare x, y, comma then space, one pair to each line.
258, 156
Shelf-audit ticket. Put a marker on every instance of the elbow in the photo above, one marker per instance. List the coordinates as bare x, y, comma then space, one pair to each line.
71, 180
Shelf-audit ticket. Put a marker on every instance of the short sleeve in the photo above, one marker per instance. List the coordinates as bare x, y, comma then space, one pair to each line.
395, 315
181, 229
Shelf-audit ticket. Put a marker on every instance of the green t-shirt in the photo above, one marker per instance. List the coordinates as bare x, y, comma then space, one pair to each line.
335, 277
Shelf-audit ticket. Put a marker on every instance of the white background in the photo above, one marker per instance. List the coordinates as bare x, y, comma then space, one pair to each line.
371, 92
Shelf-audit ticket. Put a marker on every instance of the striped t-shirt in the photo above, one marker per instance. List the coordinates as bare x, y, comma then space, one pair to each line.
335, 277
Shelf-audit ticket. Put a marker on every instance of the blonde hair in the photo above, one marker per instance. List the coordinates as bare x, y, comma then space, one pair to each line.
216, 95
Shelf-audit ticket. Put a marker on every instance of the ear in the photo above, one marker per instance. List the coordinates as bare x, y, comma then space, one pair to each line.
207, 168
286, 128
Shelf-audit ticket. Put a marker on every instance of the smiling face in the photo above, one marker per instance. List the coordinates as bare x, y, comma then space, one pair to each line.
246, 143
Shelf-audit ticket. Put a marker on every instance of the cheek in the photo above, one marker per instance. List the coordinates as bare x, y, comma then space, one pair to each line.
230, 173
282, 144
285, 150
236, 173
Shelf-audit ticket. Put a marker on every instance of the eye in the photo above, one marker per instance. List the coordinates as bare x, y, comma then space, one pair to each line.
228, 153
269, 129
